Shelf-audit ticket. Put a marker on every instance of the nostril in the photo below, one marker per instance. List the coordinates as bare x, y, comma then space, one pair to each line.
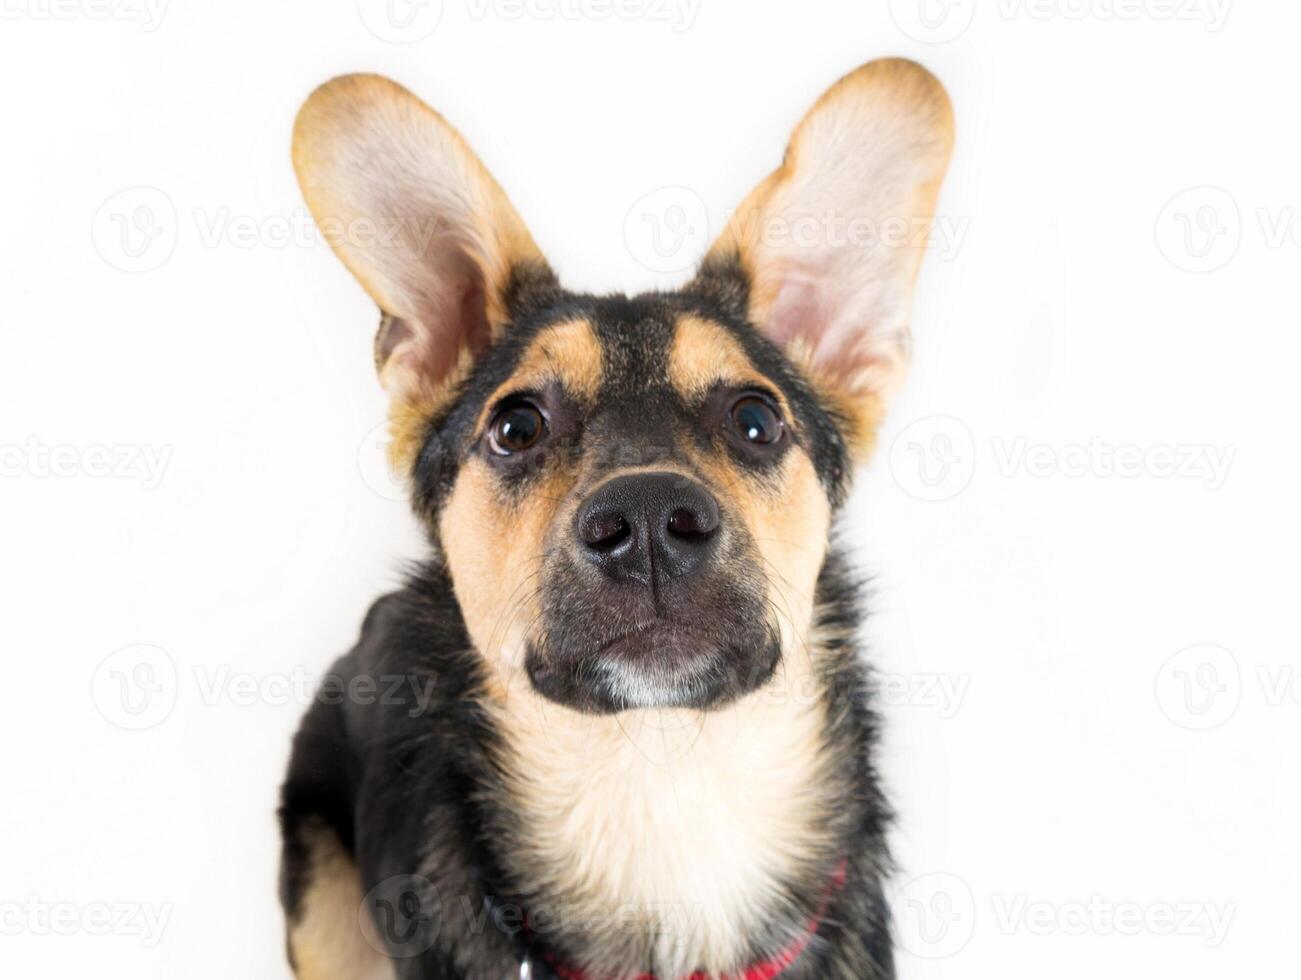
687, 523
648, 528
605, 532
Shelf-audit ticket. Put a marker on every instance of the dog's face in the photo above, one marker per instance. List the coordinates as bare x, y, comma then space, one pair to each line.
633, 496
636, 493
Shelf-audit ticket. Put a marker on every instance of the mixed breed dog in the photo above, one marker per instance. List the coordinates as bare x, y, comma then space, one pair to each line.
645, 748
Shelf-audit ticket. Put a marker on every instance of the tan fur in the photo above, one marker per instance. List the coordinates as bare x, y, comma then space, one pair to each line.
408, 423
666, 832
567, 352
788, 517
705, 354
675, 823
861, 411
327, 940
679, 823
496, 550
788, 520
414, 215
873, 149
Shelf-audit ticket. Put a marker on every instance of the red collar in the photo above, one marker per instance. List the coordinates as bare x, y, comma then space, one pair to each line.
767, 969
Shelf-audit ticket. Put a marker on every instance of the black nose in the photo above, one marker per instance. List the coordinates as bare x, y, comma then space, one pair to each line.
648, 527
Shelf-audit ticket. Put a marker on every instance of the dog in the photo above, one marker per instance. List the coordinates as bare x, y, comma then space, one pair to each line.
617, 725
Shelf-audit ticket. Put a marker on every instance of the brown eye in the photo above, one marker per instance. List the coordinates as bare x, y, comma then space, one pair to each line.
756, 421
516, 428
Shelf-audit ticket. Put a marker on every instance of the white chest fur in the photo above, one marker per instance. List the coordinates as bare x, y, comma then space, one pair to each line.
662, 834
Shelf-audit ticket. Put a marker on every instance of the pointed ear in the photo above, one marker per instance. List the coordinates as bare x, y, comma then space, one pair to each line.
823, 254
423, 226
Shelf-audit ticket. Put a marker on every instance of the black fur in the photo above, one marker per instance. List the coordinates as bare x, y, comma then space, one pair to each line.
409, 780
412, 791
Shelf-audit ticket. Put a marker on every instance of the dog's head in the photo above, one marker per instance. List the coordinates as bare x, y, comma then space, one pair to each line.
633, 496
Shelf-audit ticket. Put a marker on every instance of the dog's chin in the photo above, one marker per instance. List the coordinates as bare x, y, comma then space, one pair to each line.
662, 665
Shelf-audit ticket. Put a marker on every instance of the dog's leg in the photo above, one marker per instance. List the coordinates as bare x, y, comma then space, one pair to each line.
319, 883
324, 937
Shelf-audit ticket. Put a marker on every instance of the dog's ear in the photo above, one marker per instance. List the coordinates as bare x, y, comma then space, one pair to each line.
823, 254
424, 227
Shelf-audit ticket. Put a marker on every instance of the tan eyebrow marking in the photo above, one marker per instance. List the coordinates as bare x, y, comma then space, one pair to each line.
702, 355
705, 354
567, 352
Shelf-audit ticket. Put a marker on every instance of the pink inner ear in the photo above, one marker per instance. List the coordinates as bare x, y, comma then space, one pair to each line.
795, 314
448, 315
852, 338
474, 318
808, 310
462, 326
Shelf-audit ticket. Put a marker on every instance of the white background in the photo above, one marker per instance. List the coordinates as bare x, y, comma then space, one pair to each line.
1112, 315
